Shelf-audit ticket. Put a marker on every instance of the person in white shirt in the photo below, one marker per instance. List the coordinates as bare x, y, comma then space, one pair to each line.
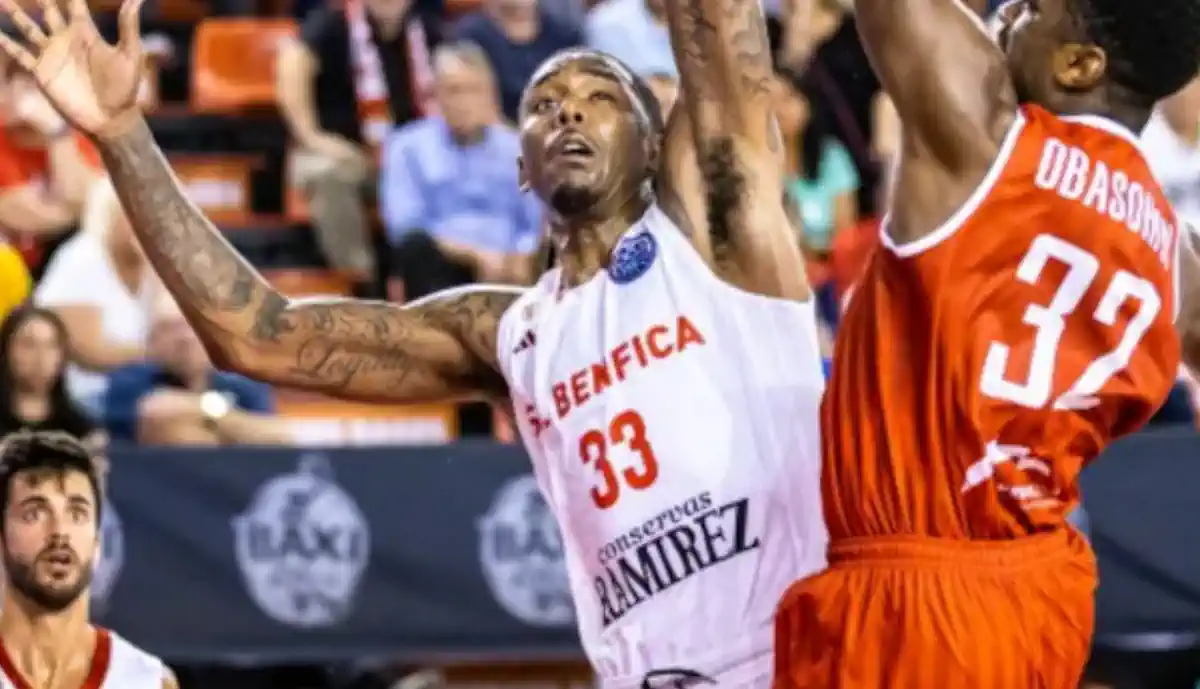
96, 283
1171, 144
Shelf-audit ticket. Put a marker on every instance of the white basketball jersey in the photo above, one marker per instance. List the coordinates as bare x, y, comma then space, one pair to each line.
672, 420
118, 664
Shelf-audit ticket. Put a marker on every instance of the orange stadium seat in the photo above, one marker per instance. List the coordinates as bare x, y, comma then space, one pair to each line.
322, 421
219, 184
233, 62
309, 282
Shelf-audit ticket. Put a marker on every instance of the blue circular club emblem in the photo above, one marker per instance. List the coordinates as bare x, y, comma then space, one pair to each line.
632, 257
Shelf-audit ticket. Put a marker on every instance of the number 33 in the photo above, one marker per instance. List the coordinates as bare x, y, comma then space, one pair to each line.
629, 429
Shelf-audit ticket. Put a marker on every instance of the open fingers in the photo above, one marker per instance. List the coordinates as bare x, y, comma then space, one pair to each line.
29, 28
52, 15
17, 52
129, 28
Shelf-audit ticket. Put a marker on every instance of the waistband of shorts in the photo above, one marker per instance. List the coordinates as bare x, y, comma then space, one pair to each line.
1018, 553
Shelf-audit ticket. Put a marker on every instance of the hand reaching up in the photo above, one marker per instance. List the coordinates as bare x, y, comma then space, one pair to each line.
90, 82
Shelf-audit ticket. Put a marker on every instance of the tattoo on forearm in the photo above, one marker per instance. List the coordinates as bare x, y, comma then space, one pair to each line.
376, 349
729, 31
189, 253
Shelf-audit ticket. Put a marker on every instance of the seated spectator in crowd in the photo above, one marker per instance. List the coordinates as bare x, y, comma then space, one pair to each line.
33, 391
96, 283
666, 90
516, 36
633, 31
176, 398
450, 194
46, 168
823, 182
359, 69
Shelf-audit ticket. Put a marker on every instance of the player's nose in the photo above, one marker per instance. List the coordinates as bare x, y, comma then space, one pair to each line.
570, 114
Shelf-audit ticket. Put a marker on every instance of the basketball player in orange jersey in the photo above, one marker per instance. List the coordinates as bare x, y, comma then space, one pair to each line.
50, 503
1017, 318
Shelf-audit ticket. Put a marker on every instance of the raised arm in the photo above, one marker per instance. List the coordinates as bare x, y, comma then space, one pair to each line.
946, 77
439, 348
723, 126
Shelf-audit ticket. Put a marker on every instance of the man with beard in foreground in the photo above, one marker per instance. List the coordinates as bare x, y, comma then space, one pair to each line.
50, 511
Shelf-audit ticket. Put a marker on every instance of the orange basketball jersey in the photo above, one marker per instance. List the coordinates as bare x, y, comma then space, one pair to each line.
979, 368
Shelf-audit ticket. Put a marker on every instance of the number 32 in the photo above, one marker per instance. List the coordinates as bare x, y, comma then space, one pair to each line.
629, 429
1050, 323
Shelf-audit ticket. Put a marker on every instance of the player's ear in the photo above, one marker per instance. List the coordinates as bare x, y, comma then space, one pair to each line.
653, 153
1078, 66
522, 177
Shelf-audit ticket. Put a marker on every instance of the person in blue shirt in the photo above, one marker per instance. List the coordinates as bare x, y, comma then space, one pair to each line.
449, 191
516, 36
177, 398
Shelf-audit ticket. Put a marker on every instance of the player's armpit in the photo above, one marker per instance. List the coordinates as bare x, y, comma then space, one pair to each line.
723, 165
946, 77
435, 349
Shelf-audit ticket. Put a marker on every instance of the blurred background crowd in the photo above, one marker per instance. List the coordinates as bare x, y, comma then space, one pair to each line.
367, 148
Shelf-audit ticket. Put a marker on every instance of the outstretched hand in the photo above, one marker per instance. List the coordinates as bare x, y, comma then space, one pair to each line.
90, 82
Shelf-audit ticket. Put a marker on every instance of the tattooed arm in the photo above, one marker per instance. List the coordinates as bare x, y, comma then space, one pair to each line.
724, 126
438, 348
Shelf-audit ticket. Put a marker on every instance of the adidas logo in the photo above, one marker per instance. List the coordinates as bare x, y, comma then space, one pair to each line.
527, 341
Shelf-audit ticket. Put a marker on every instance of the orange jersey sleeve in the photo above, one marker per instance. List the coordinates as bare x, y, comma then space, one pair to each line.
13, 163
979, 368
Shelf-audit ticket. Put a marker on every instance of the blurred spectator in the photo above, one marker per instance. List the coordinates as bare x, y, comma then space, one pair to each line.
516, 36
45, 167
841, 86
359, 69
95, 283
33, 395
1171, 142
634, 31
450, 194
666, 90
823, 182
176, 398
16, 284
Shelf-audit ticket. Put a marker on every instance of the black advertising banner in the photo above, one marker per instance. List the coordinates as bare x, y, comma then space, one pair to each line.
449, 552
308, 556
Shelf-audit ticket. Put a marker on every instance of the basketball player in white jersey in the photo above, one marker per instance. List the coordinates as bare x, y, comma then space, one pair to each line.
50, 507
666, 386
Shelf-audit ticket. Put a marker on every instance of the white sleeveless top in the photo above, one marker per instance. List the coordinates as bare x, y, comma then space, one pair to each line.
127, 667
672, 420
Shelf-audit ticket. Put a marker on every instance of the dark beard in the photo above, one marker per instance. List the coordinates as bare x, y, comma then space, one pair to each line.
21, 577
570, 201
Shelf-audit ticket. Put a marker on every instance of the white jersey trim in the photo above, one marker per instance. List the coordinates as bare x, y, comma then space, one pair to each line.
968, 208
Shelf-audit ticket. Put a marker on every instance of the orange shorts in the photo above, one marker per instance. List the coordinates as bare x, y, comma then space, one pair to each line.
917, 613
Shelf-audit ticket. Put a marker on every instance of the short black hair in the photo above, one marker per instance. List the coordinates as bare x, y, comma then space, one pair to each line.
655, 119
52, 452
1153, 47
